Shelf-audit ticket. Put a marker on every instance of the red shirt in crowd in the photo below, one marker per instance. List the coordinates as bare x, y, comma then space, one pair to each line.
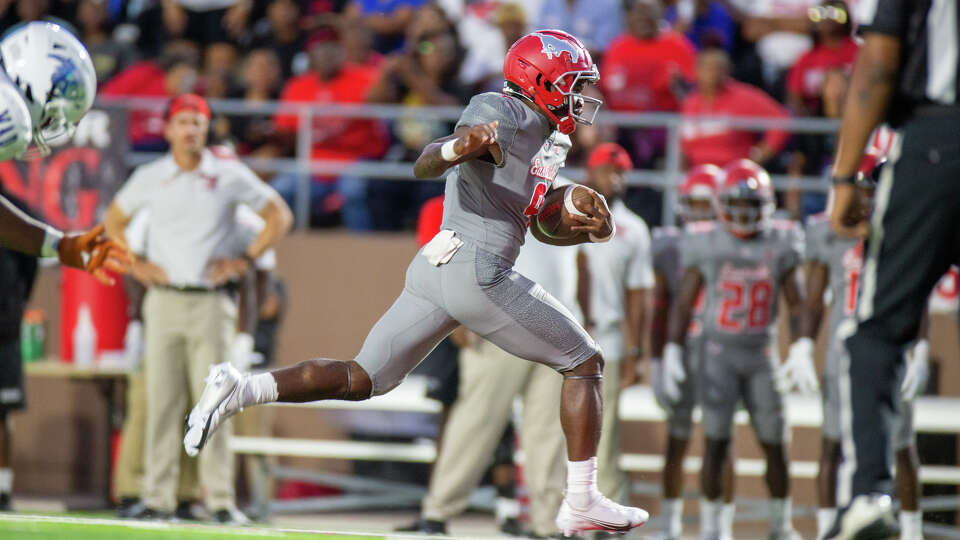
342, 139
430, 220
806, 76
142, 79
707, 140
637, 73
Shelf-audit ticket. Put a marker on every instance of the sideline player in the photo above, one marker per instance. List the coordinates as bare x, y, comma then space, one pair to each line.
836, 262
695, 205
56, 88
505, 153
743, 265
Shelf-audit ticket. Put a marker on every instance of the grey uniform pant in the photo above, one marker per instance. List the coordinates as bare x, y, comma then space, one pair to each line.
185, 334
489, 380
481, 291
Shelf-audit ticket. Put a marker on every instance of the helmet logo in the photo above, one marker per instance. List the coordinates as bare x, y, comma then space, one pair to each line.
553, 47
66, 84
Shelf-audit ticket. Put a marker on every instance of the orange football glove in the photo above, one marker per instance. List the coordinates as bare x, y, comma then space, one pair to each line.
94, 253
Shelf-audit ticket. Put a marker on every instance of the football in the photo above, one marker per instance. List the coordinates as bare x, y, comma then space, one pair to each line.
554, 218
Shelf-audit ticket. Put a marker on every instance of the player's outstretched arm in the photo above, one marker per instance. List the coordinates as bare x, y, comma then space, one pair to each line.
795, 298
811, 310
466, 143
799, 370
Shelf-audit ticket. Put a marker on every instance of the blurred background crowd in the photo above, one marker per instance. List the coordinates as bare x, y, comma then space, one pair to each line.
767, 58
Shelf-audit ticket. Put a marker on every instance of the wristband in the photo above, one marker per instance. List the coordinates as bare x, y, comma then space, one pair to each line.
568, 201
51, 242
848, 179
447, 151
599, 240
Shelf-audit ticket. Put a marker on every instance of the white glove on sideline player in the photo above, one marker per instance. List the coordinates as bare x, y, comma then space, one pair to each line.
133, 344
918, 370
673, 372
242, 355
798, 371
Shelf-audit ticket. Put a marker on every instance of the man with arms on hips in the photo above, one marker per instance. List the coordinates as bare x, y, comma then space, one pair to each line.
675, 383
743, 264
502, 159
37, 114
189, 316
621, 277
836, 262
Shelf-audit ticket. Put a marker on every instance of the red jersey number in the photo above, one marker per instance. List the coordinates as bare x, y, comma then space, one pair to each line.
536, 201
756, 301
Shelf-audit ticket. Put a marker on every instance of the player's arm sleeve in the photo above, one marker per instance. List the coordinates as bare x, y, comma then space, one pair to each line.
490, 107
640, 270
887, 17
135, 193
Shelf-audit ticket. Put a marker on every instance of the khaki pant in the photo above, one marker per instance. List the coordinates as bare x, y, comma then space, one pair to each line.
611, 480
128, 475
489, 380
185, 333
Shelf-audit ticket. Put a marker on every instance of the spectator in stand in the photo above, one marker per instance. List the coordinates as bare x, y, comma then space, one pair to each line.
255, 135
205, 21
706, 23
834, 48
109, 56
280, 31
346, 140
173, 74
706, 140
358, 43
425, 74
595, 22
781, 31
483, 65
388, 19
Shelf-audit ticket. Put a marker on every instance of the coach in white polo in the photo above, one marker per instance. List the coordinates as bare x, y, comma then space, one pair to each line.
621, 273
189, 315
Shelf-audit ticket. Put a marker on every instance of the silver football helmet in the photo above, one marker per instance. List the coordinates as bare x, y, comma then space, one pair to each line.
55, 76
16, 127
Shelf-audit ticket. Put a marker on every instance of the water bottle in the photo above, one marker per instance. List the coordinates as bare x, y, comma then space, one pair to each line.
84, 338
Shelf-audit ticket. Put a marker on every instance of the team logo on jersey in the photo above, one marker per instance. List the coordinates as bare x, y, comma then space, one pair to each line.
543, 170
554, 47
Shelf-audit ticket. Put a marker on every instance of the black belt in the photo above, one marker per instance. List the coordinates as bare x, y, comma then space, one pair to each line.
194, 288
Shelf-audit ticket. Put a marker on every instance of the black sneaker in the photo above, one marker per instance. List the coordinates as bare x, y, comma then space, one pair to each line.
604, 535
127, 506
511, 527
187, 511
141, 511
868, 517
5, 504
230, 516
425, 526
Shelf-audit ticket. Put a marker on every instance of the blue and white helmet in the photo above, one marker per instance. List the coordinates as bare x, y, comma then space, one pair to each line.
55, 76
16, 127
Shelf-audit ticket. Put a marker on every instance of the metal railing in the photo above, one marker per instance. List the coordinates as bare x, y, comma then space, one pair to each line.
666, 179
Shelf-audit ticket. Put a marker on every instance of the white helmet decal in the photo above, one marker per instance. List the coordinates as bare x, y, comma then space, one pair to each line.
553, 47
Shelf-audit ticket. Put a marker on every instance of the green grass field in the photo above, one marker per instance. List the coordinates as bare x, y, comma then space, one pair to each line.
45, 527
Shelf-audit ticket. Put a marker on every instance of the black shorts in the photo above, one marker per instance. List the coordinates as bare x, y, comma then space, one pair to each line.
12, 395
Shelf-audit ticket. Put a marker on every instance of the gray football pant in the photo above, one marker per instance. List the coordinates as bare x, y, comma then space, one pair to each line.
481, 291
489, 380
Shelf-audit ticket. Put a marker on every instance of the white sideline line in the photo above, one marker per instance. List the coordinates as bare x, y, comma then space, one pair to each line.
160, 525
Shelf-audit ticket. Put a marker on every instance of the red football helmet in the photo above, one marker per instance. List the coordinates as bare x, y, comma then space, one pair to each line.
745, 198
697, 192
550, 68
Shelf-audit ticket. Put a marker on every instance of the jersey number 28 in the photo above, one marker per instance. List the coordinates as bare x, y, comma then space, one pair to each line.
756, 303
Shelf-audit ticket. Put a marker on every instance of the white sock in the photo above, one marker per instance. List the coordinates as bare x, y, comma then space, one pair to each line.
673, 517
911, 525
582, 483
780, 515
709, 517
825, 519
6, 480
257, 389
506, 508
727, 512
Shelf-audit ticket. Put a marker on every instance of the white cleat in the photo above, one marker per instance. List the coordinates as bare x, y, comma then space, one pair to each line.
220, 400
602, 515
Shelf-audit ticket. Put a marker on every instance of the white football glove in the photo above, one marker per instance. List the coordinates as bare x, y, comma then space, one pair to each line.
673, 372
799, 371
133, 344
242, 355
918, 370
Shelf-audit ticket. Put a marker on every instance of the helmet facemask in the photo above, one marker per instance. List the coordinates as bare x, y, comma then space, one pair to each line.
697, 205
746, 214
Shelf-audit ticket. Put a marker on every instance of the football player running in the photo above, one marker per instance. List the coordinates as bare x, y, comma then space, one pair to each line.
836, 262
502, 159
46, 86
674, 384
743, 264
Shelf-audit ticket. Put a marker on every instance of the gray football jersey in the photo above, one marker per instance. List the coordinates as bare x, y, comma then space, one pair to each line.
844, 258
490, 203
742, 278
668, 262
